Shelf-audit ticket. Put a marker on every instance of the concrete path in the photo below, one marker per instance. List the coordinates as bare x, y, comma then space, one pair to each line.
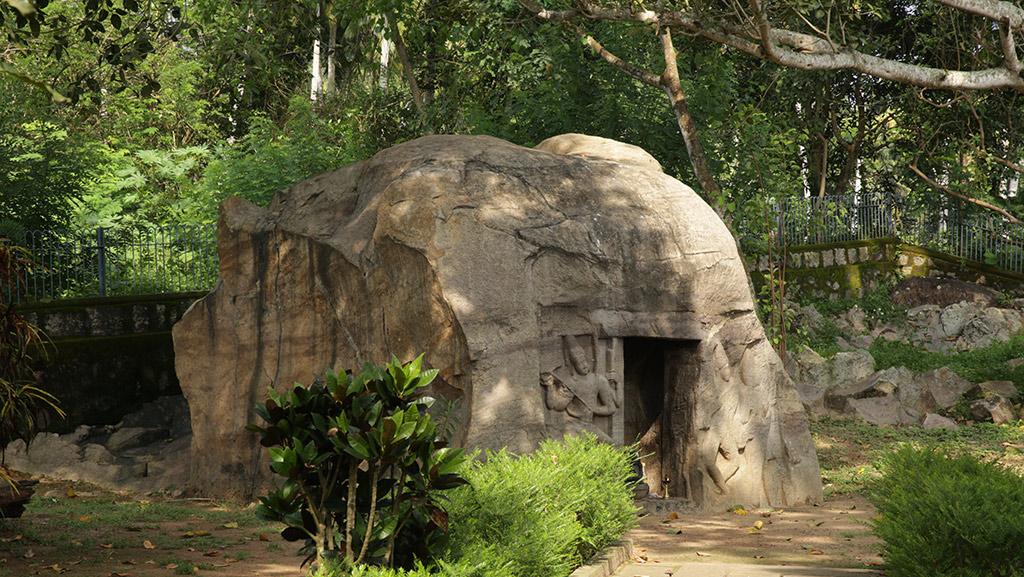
735, 570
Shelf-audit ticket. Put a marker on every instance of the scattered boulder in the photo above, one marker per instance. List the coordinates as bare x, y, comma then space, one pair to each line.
916, 291
851, 367
994, 408
935, 421
944, 387
1005, 389
152, 454
884, 411
1014, 363
961, 326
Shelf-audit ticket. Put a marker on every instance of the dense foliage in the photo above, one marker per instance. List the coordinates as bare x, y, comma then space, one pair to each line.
363, 465
949, 516
536, 515
191, 102
24, 405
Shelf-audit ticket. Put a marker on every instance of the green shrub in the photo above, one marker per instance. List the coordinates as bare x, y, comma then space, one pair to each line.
955, 516
363, 466
535, 515
542, 514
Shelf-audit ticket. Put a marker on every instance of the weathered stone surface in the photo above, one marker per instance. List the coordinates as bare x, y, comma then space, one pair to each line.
944, 386
1005, 389
1014, 363
884, 411
962, 326
934, 421
498, 261
993, 408
127, 438
916, 291
812, 377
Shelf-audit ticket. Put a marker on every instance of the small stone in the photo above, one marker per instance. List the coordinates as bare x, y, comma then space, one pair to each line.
934, 421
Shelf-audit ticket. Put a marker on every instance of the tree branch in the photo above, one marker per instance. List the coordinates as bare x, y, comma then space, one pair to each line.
997, 10
808, 52
1016, 167
942, 188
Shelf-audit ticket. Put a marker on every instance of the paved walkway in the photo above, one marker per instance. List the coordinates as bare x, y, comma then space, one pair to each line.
735, 570
797, 542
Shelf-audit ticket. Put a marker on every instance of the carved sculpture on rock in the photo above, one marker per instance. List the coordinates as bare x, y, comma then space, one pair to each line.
581, 392
578, 265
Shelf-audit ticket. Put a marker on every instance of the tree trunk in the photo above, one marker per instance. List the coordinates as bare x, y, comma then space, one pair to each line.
330, 86
407, 69
677, 97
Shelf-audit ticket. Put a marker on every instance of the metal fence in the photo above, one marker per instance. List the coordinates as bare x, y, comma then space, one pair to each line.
951, 226
113, 262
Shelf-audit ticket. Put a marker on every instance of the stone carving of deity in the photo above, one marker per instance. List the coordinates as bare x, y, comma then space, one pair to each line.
579, 391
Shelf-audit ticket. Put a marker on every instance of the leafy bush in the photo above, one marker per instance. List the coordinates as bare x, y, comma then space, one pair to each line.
363, 465
542, 514
942, 515
535, 515
984, 364
22, 401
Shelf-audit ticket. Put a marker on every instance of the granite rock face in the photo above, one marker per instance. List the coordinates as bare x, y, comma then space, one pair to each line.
572, 287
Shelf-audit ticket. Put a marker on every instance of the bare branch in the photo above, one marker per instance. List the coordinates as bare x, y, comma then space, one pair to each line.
942, 188
1016, 167
645, 76
808, 52
997, 10
1009, 48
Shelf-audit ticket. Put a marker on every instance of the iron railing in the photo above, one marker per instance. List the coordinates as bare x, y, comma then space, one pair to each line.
115, 262
947, 225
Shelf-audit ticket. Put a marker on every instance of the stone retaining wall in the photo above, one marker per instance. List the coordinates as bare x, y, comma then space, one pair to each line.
850, 269
109, 355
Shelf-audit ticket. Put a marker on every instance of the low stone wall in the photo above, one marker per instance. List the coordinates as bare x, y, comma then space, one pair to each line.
109, 355
853, 268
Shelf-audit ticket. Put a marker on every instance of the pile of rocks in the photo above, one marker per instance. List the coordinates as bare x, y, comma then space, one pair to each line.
848, 385
147, 451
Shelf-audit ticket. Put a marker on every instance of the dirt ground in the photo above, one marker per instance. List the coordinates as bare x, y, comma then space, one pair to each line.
834, 534
84, 532
79, 531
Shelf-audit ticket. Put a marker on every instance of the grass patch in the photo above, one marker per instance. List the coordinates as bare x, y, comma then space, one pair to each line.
947, 515
849, 450
986, 364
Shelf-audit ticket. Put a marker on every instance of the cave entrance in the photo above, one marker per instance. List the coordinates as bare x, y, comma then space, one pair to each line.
660, 377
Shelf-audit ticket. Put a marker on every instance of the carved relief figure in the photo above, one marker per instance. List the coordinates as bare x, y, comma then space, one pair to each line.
579, 391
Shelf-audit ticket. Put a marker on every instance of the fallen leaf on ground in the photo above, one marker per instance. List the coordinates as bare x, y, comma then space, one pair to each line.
817, 552
190, 534
106, 545
70, 493
29, 554
213, 553
264, 537
231, 525
171, 566
759, 525
148, 544
703, 554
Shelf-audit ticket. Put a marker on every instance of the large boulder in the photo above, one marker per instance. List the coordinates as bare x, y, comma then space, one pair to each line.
576, 271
